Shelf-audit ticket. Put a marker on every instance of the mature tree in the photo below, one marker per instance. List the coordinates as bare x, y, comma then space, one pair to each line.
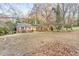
11, 27
34, 13
64, 10
46, 12
69, 20
58, 22
78, 16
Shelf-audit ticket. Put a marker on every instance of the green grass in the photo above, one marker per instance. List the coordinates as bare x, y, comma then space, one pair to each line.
75, 28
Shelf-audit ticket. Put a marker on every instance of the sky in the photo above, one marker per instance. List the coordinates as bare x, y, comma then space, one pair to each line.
23, 7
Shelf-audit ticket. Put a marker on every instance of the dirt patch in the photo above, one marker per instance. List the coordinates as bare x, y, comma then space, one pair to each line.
56, 48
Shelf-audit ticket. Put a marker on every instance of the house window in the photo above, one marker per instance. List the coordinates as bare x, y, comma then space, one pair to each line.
23, 28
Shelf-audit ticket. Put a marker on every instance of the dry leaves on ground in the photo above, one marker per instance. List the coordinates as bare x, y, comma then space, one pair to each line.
56, 48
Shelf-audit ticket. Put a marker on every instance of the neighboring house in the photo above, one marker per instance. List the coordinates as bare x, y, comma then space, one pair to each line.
24, 27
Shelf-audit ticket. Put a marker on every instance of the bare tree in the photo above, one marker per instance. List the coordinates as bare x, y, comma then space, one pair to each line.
46, 11
35, 11
64, 10
78, 15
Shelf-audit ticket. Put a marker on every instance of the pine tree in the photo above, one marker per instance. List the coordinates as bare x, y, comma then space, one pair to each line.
58, 17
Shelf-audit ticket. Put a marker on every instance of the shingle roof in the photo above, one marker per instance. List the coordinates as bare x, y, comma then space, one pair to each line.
23, 25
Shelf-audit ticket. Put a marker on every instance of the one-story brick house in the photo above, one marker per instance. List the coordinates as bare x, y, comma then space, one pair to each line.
24, 27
